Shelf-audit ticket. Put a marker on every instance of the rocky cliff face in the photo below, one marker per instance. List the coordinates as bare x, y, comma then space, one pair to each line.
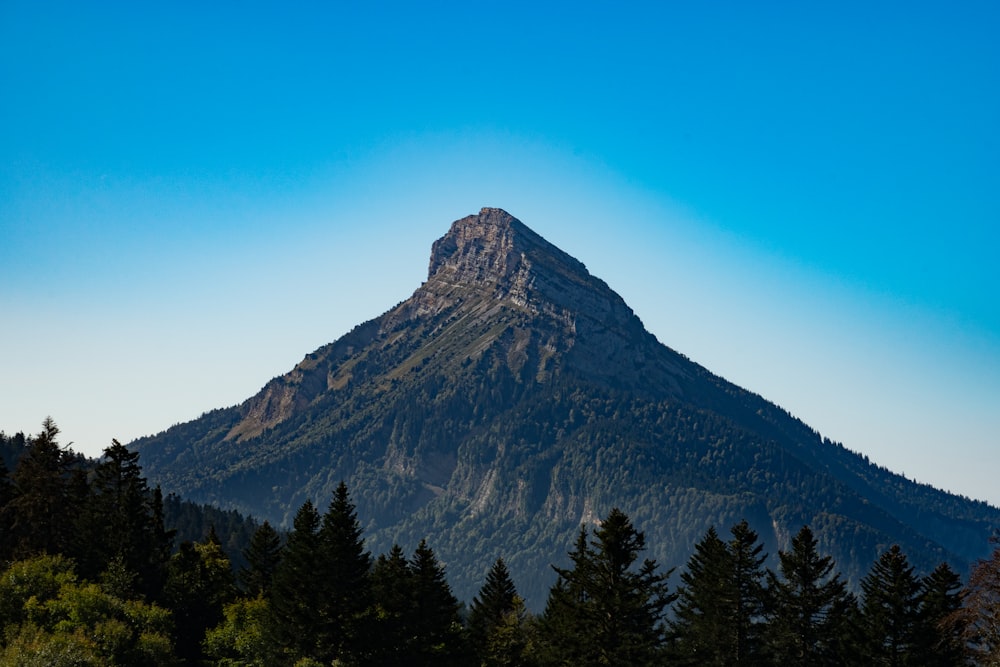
557, 316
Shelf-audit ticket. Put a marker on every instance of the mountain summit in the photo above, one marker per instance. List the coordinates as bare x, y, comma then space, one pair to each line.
515, 396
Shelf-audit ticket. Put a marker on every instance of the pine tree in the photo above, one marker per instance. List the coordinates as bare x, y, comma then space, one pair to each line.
117, 524
438, 634
748, 557
889, 605
603, 611
395, 608
199, 585
497, 609
809, 622
344, 577
940, 629
296, 593
40, 514
263, 556
719, 611
703, 616
6, 518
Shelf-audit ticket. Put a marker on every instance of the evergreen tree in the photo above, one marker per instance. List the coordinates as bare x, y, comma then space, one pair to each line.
496, 610
809, 622
721, 601
344, 570
296, 594
6, 517
40, 515
117, 523
199, 585
395, 608
889, 606
703, 615
748, 558
262, 556
438, 637
601, 611
940, 630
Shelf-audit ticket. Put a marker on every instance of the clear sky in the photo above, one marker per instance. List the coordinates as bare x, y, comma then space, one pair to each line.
802, 197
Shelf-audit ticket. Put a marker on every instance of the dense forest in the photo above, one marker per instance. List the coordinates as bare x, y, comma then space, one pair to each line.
93, 573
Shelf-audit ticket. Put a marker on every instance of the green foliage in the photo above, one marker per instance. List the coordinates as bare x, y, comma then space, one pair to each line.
49, 617
602, 611
890, 611
199, 585
810, 618
262, 557
941, 625
39, 512
497, 617
721, 601
242, 637
437, 628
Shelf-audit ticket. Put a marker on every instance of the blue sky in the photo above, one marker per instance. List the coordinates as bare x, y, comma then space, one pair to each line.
804, 199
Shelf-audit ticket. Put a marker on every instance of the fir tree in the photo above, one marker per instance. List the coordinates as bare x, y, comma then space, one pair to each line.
940, 629
344, 570
721, 601
437, 627
263, 556
395, 608
296, 593
6, 517
40, 515
602, 611
703, 616
809, 622
199, 585
497, 609
117, 524
889, 605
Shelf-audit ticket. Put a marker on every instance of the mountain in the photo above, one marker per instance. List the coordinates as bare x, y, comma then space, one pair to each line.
515, 396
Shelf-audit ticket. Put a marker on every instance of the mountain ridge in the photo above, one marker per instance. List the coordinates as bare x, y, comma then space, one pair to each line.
514, 396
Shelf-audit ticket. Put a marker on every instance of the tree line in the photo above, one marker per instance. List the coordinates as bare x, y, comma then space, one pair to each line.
91, 575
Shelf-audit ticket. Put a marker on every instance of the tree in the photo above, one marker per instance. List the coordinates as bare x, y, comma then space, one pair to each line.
395, 609
889, 607
296, 596
344, 569
811, 609
39, 514
6, 518
979, 618
263, 556
602, 610
199, 585
49, 617
118, 523
496, 619
940, 625
241, 639
703, 613
720, 606
437, 627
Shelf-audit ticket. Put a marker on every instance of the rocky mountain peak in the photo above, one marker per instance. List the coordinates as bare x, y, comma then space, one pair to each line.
494, 249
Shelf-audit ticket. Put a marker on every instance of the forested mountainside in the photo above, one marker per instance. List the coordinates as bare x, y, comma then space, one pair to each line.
91, 575
515, 397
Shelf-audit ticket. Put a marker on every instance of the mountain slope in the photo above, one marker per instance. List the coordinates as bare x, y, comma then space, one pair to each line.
514, 396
